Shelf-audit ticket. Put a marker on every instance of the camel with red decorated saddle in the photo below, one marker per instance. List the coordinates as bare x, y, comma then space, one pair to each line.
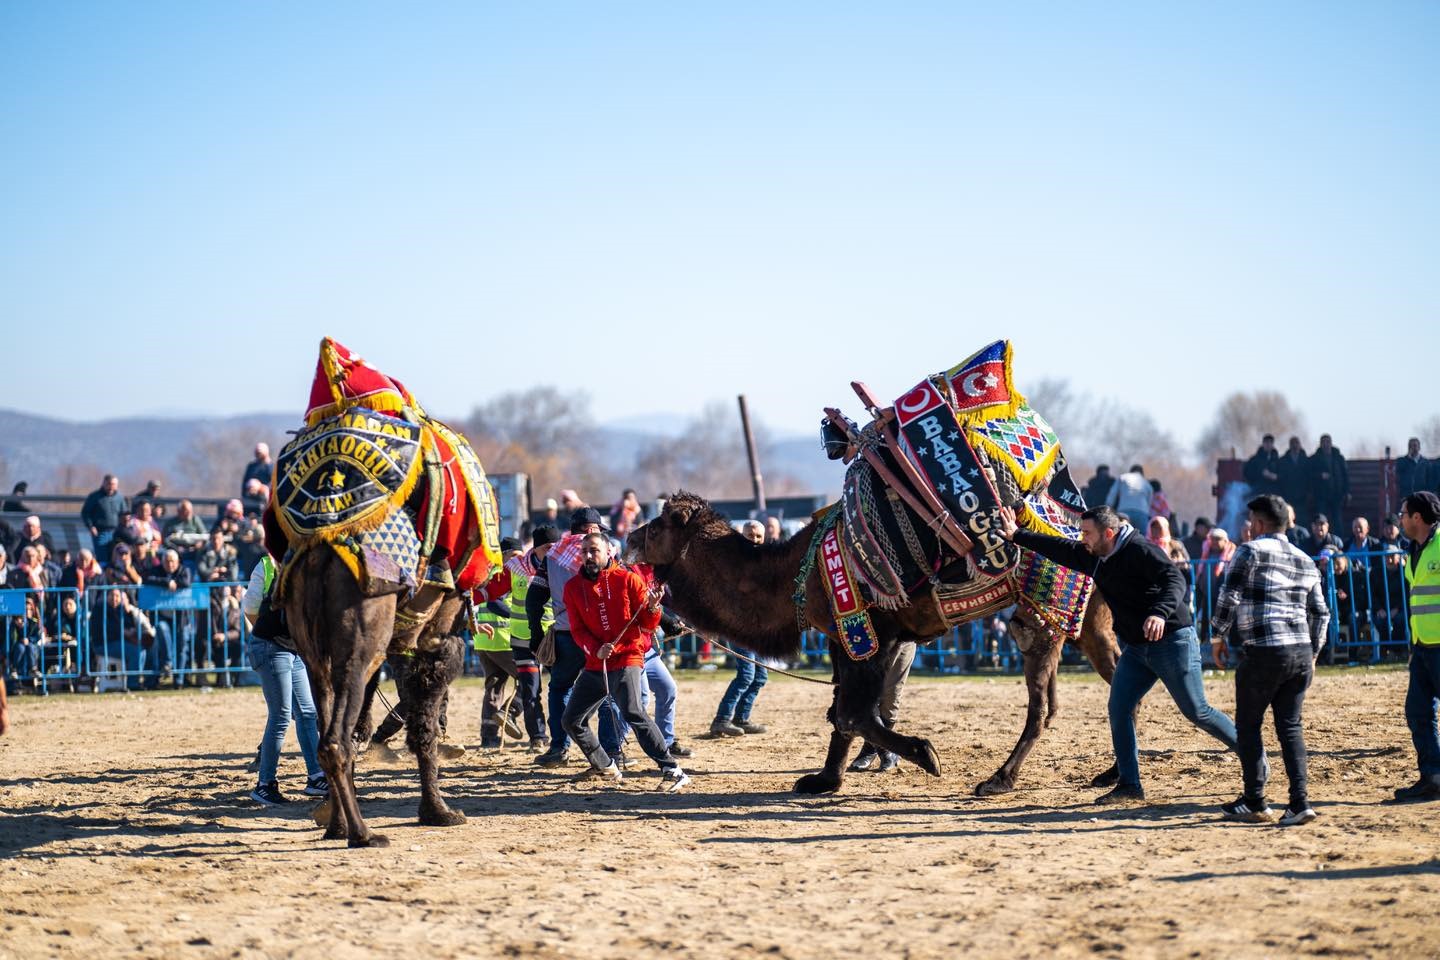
381, 520
909, 552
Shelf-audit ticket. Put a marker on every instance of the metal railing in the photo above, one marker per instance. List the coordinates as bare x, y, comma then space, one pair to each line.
124, 637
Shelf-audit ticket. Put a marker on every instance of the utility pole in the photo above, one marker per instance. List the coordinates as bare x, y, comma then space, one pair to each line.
756, 481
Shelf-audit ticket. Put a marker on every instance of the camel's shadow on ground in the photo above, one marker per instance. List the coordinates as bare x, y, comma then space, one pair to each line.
209, 813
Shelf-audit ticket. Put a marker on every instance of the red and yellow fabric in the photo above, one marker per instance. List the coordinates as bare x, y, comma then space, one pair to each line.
468, 532
343, 380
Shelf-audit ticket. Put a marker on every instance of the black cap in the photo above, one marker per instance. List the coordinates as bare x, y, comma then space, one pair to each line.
545, 534
1203, 522
583, 517
509, 543
1424, 503
1320, 518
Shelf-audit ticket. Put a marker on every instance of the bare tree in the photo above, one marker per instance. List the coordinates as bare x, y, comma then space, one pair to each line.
213, 462
546, 434
708, 458
1243, 418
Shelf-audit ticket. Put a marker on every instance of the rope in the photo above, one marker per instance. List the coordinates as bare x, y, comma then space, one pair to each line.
736, 653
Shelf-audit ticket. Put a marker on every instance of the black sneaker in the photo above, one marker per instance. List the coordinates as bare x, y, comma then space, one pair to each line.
1294, 818
1243, 811
678, 749
268, 794
1123, 793
512, 729
317, 786
552, 758
1426, 788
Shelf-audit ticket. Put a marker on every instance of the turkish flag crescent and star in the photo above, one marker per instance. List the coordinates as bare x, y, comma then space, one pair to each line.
980, 381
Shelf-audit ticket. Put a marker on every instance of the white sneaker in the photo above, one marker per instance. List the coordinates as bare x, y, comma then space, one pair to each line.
674, 780
1294, 818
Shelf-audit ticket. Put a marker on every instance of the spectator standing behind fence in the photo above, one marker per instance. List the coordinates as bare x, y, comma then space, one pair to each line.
218, 561
13, 503
1145, 594
1329, 480
1097, 488
732, 716
171, 576
31, 535
142, 526
119, 635
150, 495
1274, 604
625, 515
1262, 470
1294, 469
1131, 496
185, 533
262, 468
82, 571
287, 689
101, 513
1412, 471
1199, 533
1419, 516
1159, 503
122, 570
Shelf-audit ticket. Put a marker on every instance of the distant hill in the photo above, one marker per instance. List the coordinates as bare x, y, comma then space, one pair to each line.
181, 451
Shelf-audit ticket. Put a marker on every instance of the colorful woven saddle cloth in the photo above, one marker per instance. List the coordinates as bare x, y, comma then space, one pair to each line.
401, 496
980, 444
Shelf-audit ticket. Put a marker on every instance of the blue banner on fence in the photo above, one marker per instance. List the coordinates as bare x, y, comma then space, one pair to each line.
159, 598
12, 603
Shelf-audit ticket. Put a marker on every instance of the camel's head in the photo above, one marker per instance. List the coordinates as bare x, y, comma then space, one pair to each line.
662, 541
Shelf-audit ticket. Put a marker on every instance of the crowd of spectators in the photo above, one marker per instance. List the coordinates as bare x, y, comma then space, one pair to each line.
137, 544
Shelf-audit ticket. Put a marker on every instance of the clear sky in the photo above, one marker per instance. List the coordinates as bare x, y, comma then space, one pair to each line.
666, 204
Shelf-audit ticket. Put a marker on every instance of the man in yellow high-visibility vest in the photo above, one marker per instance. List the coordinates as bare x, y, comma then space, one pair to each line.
1419, 516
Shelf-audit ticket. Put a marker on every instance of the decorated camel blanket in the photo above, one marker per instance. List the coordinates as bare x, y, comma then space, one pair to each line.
401, 497
974, 440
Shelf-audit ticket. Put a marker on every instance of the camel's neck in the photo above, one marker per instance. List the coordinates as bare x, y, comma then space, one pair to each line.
724, 584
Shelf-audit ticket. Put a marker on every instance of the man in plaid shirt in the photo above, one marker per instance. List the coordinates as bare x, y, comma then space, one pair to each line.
1273, 600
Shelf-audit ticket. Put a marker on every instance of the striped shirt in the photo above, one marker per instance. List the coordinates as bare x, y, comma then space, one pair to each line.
1272, 596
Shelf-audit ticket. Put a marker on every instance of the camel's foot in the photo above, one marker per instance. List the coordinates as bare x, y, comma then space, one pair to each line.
815, 783
370, 840
381, 753
1107, 779
996, 785
321, 816
441, 817
926, 758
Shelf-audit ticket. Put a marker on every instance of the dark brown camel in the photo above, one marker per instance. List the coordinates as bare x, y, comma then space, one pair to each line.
723, 583
343, 635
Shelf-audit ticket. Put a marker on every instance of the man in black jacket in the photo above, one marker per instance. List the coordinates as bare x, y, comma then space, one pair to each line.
1146, 594
1294, 470
1262, 471
1413, 472
1329, 480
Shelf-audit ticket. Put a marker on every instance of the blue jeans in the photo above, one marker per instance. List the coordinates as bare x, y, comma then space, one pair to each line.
660, 686
1420, 700
1175, 662
744, 688
569, 661
286, 686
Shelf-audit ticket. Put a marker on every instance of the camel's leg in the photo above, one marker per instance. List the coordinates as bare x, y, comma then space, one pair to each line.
365, 726
828, 780
917, 750
337, 748
1041, 661
425, 687
328, 814
1097, 640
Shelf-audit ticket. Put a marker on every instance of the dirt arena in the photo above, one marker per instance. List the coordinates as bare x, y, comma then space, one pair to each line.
126, 831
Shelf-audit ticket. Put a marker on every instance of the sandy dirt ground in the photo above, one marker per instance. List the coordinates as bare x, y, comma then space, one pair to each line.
126, 831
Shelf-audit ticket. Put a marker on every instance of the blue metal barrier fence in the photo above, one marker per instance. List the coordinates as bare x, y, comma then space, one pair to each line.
123, 637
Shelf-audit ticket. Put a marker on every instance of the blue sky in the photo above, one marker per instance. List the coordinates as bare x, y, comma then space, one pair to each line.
671, 204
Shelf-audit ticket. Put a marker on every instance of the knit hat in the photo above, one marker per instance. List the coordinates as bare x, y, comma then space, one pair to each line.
545, 534
508, 544
583, 517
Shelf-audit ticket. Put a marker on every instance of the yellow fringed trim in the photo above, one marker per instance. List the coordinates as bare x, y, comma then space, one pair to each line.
367, 521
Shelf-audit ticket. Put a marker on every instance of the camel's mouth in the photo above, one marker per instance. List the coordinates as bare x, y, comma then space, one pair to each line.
634, 545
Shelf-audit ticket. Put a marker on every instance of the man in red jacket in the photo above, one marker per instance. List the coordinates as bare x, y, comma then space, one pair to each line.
612, 617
